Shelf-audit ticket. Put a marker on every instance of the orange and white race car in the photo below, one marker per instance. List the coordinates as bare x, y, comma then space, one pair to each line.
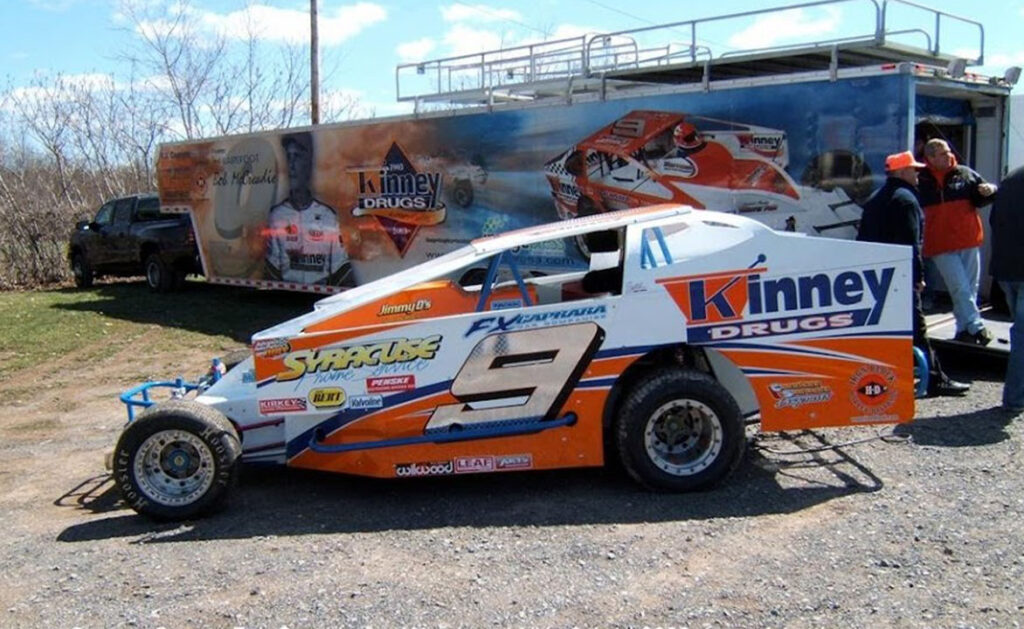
649, 157
685, 324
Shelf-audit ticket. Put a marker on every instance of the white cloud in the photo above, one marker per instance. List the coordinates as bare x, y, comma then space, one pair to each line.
777, 28
289, 26
459, 12
463, 39
415, 50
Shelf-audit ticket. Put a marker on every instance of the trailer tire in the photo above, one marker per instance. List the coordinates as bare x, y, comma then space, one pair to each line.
81, 270
159, 275
680, 430
176, 461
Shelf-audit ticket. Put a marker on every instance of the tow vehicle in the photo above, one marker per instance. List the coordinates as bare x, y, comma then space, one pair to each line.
685, 323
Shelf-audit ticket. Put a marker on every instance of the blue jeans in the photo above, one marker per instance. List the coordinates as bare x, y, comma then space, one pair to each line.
1013, 388
960, 271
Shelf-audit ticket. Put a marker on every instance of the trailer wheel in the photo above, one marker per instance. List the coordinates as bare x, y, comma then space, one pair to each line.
159, 275
463, 193
176, 461
680, 430
81, 270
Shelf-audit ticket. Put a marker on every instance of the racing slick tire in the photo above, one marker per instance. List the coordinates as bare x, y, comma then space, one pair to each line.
159, 275
463, 193
81, 270
680, 430
176, 461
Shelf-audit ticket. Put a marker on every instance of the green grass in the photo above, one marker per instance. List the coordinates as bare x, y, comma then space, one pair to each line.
41, 326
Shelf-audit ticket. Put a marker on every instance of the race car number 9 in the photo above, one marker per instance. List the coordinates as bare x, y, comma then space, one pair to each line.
519, 375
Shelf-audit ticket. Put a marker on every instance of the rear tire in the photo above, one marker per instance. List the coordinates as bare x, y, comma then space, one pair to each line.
82, 271
680, 430
159, 275
176, 461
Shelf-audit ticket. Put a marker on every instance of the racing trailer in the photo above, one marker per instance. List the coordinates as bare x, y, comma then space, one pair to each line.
792, 136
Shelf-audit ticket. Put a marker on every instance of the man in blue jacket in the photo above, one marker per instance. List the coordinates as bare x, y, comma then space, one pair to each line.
1007, 221
893, 215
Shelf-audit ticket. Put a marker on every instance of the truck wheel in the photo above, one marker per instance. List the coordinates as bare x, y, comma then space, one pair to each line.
680, 430
463, 193
177, 460
81, 270
159, 275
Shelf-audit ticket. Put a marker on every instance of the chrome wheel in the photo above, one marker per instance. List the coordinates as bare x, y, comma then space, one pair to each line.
683, 437
174, 467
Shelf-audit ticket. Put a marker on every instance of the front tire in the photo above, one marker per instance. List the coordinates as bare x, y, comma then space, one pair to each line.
680, 430
176, 461
82, 271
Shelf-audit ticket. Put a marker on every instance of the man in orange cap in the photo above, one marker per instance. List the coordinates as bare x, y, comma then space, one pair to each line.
893, 215
951, 195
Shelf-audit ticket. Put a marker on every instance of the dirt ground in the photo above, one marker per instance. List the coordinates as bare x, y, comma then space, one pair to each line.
921, 529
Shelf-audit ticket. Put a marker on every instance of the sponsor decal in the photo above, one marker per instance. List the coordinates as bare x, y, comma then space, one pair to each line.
361, 402
249, 376
474, 464
404, 309
680, 166
269, 348
435, 468
506, 304
388, 384
873, 389
308, 361
330, 397
282, 405
513, 462
522, 321
399, 197
797, 394
716, 304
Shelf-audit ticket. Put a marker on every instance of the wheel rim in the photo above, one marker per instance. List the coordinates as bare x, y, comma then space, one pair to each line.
174, 467
76, 268
683, 437
153, 274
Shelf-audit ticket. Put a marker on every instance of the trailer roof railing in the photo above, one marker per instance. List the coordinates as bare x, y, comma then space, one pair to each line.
677, 53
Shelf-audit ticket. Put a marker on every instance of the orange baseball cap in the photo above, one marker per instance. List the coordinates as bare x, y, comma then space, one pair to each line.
905, 159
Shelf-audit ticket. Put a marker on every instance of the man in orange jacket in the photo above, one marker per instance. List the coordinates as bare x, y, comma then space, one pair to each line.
951, 195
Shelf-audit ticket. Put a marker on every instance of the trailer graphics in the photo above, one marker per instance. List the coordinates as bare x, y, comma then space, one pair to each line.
413, 189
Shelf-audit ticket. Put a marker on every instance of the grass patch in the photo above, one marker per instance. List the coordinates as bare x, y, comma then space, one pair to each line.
37, 327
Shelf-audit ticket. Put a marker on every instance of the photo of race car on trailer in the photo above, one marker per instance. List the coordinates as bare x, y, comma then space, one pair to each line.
686, 323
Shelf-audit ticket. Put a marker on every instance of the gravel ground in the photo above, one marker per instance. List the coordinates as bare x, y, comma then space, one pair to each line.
922, 529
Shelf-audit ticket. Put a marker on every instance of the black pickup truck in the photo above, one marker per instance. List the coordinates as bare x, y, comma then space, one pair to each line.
130, 236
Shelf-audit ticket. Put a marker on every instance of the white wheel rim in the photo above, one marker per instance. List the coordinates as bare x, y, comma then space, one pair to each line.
174, 468
683, 437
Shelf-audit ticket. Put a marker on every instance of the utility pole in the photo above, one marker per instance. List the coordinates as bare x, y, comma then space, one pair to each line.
314, 66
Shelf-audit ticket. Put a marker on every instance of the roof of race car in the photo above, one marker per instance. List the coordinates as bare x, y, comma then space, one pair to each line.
572, 227
477, 249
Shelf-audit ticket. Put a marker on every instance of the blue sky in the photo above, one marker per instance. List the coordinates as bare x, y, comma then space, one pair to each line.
363, 41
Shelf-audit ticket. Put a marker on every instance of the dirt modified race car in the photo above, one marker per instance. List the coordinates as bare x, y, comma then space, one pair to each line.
687, 323
649, 157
